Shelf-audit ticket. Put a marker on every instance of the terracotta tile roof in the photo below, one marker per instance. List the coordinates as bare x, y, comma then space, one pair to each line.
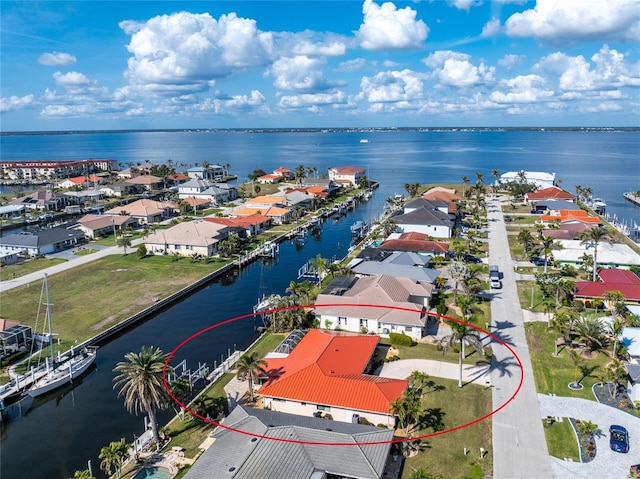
411, 243
144, 180
7, 323
241, 221
624, 281
193, 201
572, 216
442, 194
282, 169
551, 193
265, 200
348, 170
144, 207
326, 368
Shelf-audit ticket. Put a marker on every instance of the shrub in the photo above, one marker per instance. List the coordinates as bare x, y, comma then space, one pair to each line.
400, 339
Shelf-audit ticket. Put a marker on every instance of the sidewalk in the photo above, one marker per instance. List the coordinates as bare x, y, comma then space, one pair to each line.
403, 368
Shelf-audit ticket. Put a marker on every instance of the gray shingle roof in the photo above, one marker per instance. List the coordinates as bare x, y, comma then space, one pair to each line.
241, 456
424, 216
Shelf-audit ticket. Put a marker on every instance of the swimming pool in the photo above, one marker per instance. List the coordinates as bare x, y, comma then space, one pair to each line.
154, 473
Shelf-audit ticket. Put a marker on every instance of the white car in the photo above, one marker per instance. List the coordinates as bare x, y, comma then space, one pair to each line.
495, 284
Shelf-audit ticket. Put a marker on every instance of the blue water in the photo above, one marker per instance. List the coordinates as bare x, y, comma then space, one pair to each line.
63, 431
154, 473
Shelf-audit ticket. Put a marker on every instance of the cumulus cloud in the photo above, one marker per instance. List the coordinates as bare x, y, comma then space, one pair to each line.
352, 65
307, 100
456, 70
521, 89
491, 28
510, 61
300, 73
56, 59
585, 20
465, 4
388, 28
608, 70
187, 52
15, 102
392, 86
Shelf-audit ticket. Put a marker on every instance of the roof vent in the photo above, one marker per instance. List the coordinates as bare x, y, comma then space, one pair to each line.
254, 439
231, 469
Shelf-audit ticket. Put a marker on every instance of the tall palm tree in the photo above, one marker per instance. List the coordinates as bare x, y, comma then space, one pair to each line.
526, 239
562, 323
615, 375
458, 270
614, 330
465, 181
593, 236
546, 246
140, 381
463, 334
496, 174
113, 456
124, 243
250, 367
320, 265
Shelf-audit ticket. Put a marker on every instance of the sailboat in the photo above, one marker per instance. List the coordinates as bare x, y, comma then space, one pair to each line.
65, 368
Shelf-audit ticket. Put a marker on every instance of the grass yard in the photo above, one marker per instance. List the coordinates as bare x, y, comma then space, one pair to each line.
444, 455
553, 374
83, 298
430, 351
561, 440
28, 267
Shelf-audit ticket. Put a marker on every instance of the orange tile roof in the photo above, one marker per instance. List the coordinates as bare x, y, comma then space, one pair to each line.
551, 193
326, 368
265, 200
241, 221
441, 194
571, 215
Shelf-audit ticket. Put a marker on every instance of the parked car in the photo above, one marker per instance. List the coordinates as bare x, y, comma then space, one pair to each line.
469, 258
618, 438
495, 283
508, 218
536, 212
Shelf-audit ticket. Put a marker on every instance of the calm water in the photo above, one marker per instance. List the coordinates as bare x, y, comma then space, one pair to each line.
60, 434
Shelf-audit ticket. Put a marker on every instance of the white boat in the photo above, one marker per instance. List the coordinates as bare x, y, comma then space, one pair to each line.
65, 368
364, 140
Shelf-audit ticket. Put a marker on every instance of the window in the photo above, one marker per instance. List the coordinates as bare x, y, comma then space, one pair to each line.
342, 321
407, 329
303, 404
324, 408
364, 323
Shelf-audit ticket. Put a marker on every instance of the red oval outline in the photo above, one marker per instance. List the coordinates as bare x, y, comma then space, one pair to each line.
316, 443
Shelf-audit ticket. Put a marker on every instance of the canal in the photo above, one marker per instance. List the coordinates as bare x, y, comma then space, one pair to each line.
62, 431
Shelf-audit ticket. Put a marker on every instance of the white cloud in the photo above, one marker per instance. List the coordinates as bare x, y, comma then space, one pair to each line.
586, 20
510, 61
187, 52
330, 49
491, 28
15, 102
456, 70
522, 89
299, 73
392, 86
465, 4
352, 65
387, 28
56, 59
307, 100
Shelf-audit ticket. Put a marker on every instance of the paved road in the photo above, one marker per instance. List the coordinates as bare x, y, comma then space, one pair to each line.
519, 445
607, 463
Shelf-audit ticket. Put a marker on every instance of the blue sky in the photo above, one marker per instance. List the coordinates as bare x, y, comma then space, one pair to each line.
233, 64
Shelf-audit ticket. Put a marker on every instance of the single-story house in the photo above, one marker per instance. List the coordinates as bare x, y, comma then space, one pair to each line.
610, 255
266, 201
177, 179
251, 225
147, 211
81, 181
347, 175
399, 265
9, 258
148, 182
549, 193
40, 242
119, 189
197, 203
569, 216
376, 304
329, 373
188, 238
538, 178
300, 198
567, 231
415, 242
427, 217
269, 178
328, 186
8, 212
276, 214
264, 455
94, 226
627, 282
14, 335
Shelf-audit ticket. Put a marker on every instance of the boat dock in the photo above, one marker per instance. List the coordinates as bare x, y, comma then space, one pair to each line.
633, 197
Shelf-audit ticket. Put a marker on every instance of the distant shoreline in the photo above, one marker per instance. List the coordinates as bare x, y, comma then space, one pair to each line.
605, 129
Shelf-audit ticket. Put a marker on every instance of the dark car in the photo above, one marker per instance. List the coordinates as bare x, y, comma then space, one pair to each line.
469, 258
508, 219
536, 212
618, 438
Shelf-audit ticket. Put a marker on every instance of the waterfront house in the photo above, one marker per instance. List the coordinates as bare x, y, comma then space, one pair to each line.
315, 185
217, 193
347, 175
276, 214
330, 374
269, 179
416, 243
216, 173
148, 182
189, 238
119, 189
147, 211
627, 282
14, 336
80, 181
40, 242
9, 212
567, 231
284, 173
250, 225
428, 217
447, 195
569, 216
400, 264
551, 193
539, 179
376, 304
95, 226
263, 455
41, 200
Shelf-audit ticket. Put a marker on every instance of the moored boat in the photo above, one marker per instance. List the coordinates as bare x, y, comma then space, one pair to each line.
64, 372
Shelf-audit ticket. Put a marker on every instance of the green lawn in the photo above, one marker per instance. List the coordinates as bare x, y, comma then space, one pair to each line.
561, 440
553, 374
83, 298
444, 454
28, 267
430, 351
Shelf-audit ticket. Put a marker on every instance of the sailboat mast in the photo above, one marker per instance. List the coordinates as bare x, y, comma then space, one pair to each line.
46, 291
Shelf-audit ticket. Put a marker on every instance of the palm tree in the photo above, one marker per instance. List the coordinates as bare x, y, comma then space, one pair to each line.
465, 181
463, 334
458, 271
250, 367
614, 330
113, 455
547, 245
589, 331
614, 375
526, 239
562, 323
320, 265
496, 174
140, 379
295, 289
614, 300
83, 474
124, 243
593, 236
